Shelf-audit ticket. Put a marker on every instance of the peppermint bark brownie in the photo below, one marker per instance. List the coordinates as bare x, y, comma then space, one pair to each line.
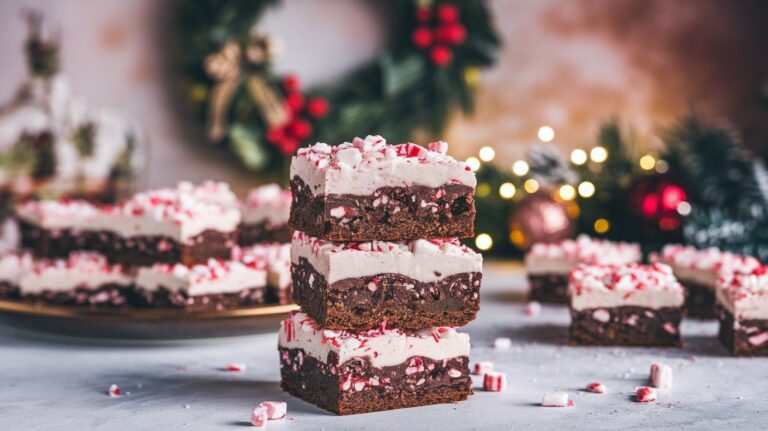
215, 285
278, 262
265, 215
80, 279
187, 224
548, 265
368, 190
630, 305
412, 285
743, 309
51, 228
698, 272
349, 372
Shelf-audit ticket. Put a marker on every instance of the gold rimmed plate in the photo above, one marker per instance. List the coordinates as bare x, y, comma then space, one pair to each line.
143, 324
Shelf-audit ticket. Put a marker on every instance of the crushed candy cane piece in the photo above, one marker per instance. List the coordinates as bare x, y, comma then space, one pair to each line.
533, 308
502, 343
259, 416
661, 375
236, 367
596, 388
275, 409
495, 382
115, 391
556, 399
645, 394
483, 367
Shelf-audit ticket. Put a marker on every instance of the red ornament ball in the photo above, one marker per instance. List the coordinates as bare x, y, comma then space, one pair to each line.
291, 83
288, 146
447, 13
295, 101
655, 199
300, 129
422, 37
455, 33
441, 56
423, 14
539, 218
317, 107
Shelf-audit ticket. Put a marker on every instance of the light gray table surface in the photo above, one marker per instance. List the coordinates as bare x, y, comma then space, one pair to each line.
60, 383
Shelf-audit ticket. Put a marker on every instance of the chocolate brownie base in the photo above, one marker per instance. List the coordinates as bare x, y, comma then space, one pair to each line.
166, 298
626, 326
699, 300
357, 387
743, 337
259, 233
131, 251
365, 302
106, 296
389, 214
549, 288
9, 291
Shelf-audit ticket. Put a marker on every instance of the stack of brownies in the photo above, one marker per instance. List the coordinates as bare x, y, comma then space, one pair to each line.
379, 302
168, 247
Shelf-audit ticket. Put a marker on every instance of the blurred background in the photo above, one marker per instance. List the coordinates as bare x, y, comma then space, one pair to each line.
673, 92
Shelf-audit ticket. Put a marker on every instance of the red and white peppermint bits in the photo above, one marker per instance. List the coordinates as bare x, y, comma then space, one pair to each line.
502, 343
495, 382
661, 375
556, 399
114, 391
483, 367
235, 367
275, 409
596, 388
533, 308
645, 394
259, 416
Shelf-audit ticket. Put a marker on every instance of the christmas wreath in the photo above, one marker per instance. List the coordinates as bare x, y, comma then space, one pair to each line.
431, 66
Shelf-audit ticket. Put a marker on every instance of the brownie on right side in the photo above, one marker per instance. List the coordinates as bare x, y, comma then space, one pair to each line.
743, 311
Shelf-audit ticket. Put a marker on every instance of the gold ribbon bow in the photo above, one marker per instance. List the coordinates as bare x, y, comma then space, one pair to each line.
229, 68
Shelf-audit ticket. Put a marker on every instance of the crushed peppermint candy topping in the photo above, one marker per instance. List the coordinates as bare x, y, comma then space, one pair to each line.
589, 250
495, 382
556, 399
181, 203
502, 343
45, 210
743, 285
629, 278
259, 416
114, 391
483, 367
275, 409
661, 375
235, 367
709, 259
373, 150
214, 269
596, 388
447, 246
81, 262
268, 194
645, 394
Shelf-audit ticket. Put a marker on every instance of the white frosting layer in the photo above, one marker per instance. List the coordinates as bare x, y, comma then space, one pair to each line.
745, 295
705, 266
278, 261
560, 258
605, 286
383, 347
365, 165
179, 213
422, 260
268, 203
84, 270
13, 266
55, 215
214, 277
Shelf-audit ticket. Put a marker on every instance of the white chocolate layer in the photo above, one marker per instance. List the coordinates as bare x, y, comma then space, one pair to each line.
13, 266
745, 295
365, 165
604, 286
55, 215
215, 277
80, 270
561, 258
422, 260
705, 266
382, 347
268, 203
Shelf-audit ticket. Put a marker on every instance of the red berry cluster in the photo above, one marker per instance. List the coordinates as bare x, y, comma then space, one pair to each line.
438, 31
288, 137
